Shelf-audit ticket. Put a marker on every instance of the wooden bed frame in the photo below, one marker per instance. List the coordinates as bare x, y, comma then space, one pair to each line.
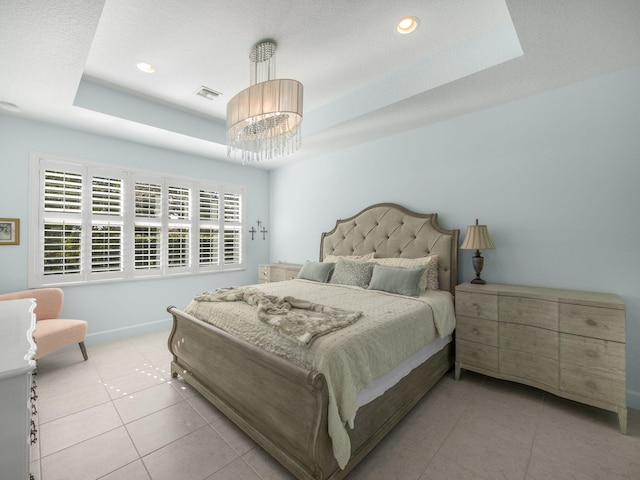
282, 406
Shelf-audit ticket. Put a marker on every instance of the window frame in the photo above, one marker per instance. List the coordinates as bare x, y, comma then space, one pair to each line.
188, 219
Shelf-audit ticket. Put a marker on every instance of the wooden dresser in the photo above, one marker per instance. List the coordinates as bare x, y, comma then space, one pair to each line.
277, 272
567, 342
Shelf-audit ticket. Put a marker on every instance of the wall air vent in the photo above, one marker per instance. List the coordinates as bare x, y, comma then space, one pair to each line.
207, 93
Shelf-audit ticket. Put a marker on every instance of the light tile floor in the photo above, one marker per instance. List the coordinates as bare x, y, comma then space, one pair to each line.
119, 416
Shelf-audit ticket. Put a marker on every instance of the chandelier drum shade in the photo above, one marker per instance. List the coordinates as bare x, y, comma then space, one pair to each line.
263, 121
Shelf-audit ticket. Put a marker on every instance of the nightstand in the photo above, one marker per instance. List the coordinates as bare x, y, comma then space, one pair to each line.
277, 272
567, 342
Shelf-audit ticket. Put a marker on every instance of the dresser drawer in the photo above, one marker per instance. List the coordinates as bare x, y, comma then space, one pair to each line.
477, 305
595, 322
529, 311
263, 273
578, 380
529, 366
278, 272
477, 354
601, 357
540, 341
477, 330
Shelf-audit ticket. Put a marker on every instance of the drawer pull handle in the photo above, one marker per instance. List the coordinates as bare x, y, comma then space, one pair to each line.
592, 353
476, 331
591, 322
474, 354
591, 385
33, 434
475, 306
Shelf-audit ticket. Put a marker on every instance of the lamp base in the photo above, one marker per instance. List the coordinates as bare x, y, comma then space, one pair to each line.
478, 263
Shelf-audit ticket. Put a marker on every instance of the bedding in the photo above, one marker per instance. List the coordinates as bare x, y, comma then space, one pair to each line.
298, 320
352, 272
316, 271
429, 280
392, 328
403, 281
381, 384
363, 257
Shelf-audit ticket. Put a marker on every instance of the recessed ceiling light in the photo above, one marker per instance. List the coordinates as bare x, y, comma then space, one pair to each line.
407, 25
9, 107
145, 67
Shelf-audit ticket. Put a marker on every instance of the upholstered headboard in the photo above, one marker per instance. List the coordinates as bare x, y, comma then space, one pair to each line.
390, 230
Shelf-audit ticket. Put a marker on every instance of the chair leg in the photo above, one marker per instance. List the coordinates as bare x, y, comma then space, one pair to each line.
83, 350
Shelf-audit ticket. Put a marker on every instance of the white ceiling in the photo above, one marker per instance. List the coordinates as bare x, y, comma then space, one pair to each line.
72, 62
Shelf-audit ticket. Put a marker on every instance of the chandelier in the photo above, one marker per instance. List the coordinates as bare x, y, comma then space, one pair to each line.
263, 121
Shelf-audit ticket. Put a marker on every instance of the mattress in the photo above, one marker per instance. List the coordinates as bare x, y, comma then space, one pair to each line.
380, 385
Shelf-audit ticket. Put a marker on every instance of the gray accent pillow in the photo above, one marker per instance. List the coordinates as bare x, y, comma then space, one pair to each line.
351, 272
403, 281
429, 280
316, 271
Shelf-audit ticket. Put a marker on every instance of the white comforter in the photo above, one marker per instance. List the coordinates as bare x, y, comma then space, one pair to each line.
391, 328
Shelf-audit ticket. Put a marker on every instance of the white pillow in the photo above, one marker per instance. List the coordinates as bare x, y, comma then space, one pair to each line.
364, 257
429, 280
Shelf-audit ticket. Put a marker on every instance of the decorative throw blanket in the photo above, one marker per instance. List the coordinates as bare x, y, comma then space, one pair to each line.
298, 320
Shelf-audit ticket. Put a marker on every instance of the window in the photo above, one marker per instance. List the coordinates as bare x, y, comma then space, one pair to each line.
96, 223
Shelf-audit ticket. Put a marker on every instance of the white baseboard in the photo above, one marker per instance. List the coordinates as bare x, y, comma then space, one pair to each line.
132, 331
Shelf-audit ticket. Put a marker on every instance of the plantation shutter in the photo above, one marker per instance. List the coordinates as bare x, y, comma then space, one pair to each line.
179, 213
107, 222
62, 222
209, 237
147, 226
232, 243
93, 222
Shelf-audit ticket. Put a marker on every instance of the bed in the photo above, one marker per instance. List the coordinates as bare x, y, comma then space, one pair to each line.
291, 406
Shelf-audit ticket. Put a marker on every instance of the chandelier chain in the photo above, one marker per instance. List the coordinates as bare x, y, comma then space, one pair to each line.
262, 65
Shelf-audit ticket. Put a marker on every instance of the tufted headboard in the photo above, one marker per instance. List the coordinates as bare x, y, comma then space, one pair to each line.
390, 230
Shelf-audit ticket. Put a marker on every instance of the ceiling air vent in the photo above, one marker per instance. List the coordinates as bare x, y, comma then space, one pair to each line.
207, 93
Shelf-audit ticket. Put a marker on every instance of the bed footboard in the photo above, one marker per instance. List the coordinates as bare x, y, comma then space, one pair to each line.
281, 406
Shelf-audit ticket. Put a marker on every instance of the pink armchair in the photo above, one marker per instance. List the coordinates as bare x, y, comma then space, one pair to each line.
52, 333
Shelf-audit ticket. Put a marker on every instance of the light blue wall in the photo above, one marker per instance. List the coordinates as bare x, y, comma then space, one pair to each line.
555, 176
117, 309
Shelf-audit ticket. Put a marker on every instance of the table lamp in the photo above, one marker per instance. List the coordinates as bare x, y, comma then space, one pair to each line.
477, 238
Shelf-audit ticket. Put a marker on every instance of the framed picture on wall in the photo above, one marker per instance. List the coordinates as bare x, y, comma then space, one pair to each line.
9, 231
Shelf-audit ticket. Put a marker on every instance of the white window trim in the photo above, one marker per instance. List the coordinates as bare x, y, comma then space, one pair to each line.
41, 162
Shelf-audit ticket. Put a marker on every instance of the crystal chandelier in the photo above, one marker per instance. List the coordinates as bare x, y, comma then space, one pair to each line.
263, 121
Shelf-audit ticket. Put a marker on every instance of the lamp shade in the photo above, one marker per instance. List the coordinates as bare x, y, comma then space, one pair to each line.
263, 121
477, 238
250, 114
